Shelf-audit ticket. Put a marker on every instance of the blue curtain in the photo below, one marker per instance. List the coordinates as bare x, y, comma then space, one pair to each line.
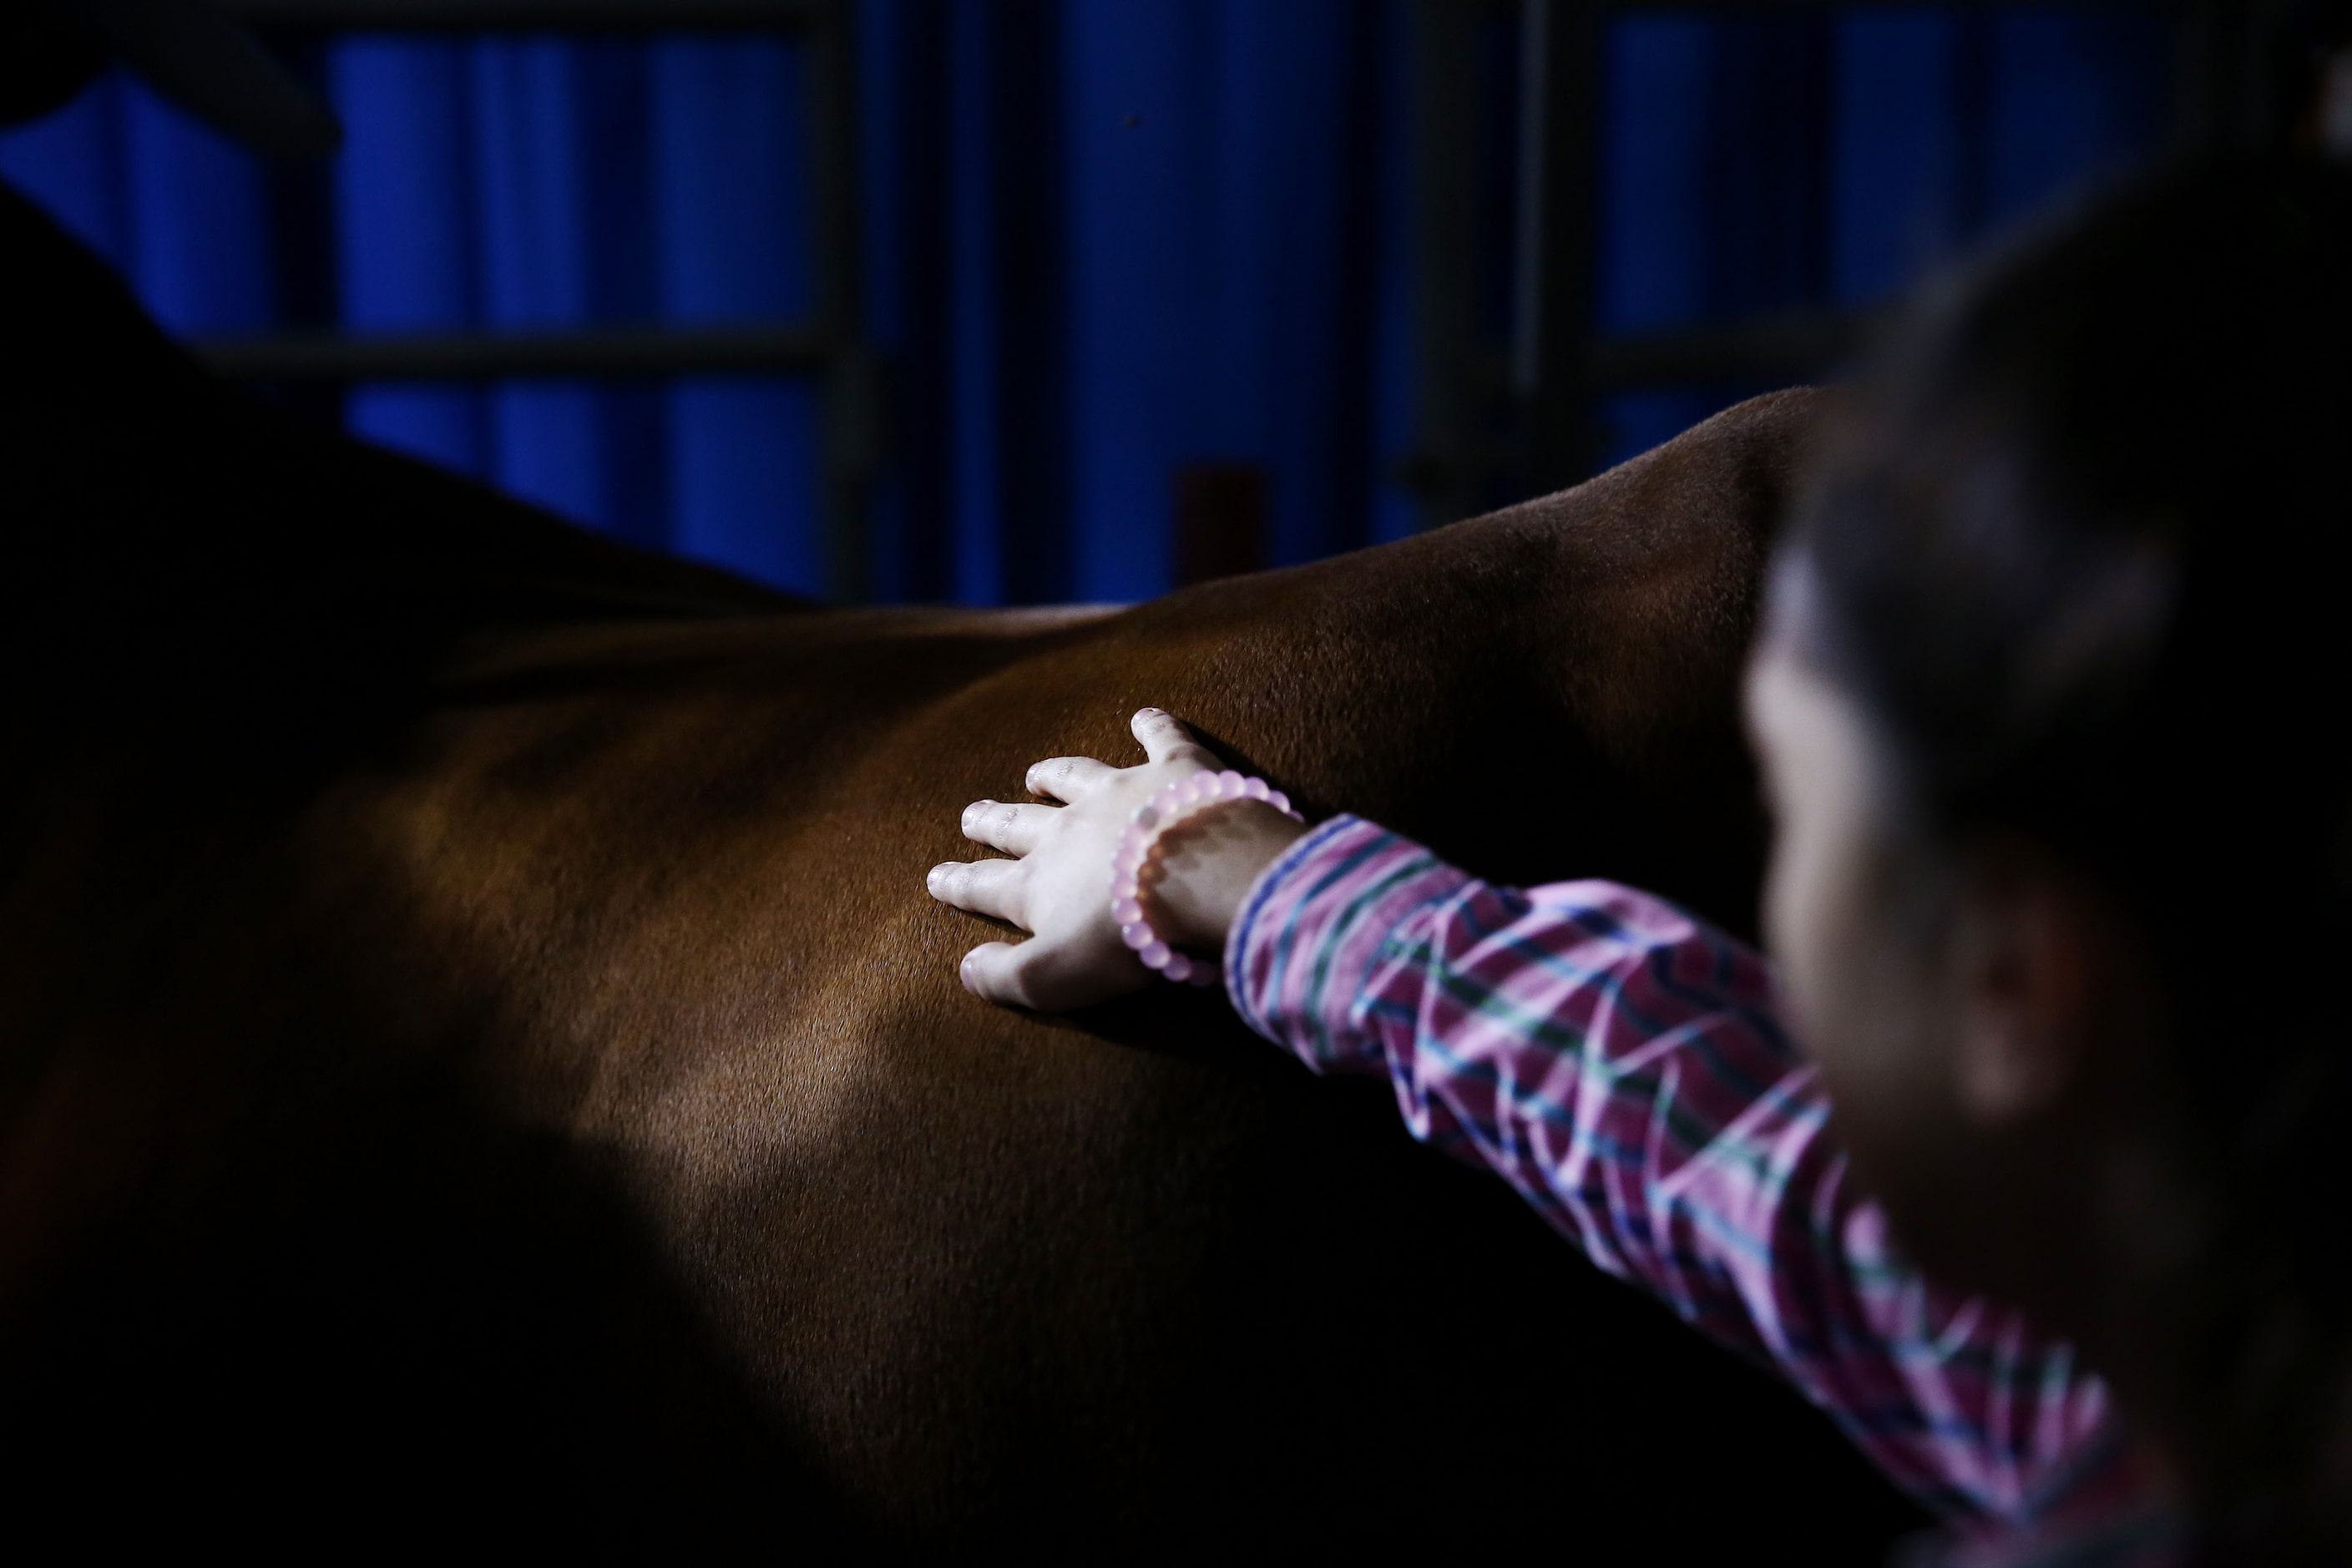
183, 214
1106, 240
544, 182
1115, 238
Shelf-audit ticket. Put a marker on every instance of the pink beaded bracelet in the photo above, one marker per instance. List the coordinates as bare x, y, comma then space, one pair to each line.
1169, 805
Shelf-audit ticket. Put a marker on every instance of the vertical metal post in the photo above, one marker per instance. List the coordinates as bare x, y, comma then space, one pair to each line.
2225, 58
2202, 114
1447, 402
851, 391
1558, 229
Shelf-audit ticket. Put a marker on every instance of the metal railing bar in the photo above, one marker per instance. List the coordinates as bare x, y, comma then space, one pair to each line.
522, 15
599, 352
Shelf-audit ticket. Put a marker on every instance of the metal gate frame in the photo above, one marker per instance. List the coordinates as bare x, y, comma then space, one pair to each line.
830, 346
1558, 368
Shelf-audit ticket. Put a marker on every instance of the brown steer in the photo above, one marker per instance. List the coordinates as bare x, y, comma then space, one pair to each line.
477, 1063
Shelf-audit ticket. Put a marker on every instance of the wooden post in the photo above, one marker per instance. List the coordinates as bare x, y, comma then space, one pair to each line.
1221, 521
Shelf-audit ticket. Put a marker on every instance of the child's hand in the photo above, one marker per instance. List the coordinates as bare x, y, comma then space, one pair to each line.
1057, 886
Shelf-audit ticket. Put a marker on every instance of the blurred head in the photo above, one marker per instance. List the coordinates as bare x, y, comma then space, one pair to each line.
2311, 72
2049, 702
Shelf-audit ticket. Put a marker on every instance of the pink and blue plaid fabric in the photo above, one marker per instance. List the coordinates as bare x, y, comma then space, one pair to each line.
1626, 1068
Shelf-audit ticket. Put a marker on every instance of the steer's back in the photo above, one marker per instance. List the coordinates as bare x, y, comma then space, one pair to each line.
474, 1052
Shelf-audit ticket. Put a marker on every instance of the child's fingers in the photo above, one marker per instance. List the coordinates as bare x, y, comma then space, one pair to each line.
991, 888
1015, 829
995, 972
1166, 739
1037, 975
1069, 778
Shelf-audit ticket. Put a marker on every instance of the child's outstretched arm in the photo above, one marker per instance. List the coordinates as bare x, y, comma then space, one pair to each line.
1620, 1063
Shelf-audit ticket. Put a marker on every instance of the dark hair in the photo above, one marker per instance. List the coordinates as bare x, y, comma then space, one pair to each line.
2079, 547
2304, 42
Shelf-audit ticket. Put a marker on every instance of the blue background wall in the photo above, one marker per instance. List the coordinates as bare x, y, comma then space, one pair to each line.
1106, 239
1751, 164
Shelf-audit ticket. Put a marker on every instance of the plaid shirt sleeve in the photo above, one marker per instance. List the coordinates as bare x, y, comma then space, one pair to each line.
1625, 1069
